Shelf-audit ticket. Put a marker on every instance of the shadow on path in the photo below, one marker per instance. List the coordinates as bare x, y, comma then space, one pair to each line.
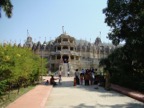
91, 88
81, 96
128, 105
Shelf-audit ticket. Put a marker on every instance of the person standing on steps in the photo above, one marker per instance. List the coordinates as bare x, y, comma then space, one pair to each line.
68, 73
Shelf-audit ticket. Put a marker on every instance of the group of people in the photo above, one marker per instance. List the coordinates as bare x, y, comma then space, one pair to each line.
86, 77
83, 77
52, 80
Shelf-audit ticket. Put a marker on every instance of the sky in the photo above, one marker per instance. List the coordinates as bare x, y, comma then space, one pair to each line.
43, 19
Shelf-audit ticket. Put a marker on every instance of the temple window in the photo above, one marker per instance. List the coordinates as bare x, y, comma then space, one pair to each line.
59, 48
58, 57
77, 57
59, 40
65, 47
72, 57
65, 39
71, 48
53, 57
71, 41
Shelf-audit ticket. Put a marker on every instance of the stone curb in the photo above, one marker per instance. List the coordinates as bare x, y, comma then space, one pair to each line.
131, 93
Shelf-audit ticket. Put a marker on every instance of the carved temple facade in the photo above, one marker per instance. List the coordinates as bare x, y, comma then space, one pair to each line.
67, 54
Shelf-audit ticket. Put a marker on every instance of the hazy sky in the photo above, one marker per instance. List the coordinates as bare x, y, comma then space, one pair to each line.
82, 19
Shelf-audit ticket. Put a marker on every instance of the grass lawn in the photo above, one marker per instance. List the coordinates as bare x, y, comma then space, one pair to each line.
4, 101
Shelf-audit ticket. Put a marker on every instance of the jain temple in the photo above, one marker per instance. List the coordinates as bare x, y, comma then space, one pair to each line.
66, 53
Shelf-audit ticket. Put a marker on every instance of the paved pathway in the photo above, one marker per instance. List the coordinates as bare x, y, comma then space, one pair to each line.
35, 98
68, 96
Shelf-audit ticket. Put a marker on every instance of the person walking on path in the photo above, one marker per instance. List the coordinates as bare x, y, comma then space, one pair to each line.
86, 78
81, 78
77, 77
60, 77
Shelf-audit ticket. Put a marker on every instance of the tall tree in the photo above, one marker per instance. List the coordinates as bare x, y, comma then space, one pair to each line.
7, 7
126, 18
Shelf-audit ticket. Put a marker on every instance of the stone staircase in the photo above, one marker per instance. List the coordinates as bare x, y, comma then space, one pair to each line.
67, 67
71, 68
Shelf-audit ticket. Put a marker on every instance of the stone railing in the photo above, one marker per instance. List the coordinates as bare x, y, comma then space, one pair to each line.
64, 43
65, 51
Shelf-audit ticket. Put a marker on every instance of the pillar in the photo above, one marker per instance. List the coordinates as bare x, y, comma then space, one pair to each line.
69, 58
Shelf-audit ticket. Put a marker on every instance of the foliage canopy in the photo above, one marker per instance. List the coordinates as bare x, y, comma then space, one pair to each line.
7, 7
126, 20
19, 67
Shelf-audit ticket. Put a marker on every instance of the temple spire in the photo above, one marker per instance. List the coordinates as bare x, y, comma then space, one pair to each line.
45, 39
27, 33
63, 29
100, 34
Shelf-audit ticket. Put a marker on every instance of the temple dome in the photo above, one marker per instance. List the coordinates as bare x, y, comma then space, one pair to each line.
97, 41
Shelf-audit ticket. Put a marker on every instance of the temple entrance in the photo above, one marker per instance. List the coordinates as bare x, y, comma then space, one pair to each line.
65, 58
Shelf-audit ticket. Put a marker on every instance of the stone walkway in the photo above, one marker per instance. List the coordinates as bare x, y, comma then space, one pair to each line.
69, 96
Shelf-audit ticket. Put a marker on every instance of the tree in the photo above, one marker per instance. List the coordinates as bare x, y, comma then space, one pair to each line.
123, 70
126, 19
7, 7
19, 67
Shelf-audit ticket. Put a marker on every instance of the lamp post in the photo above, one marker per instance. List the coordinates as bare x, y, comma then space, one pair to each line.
42, 60
41, 64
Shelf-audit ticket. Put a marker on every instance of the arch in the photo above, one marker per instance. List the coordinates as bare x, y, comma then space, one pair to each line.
65, 58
